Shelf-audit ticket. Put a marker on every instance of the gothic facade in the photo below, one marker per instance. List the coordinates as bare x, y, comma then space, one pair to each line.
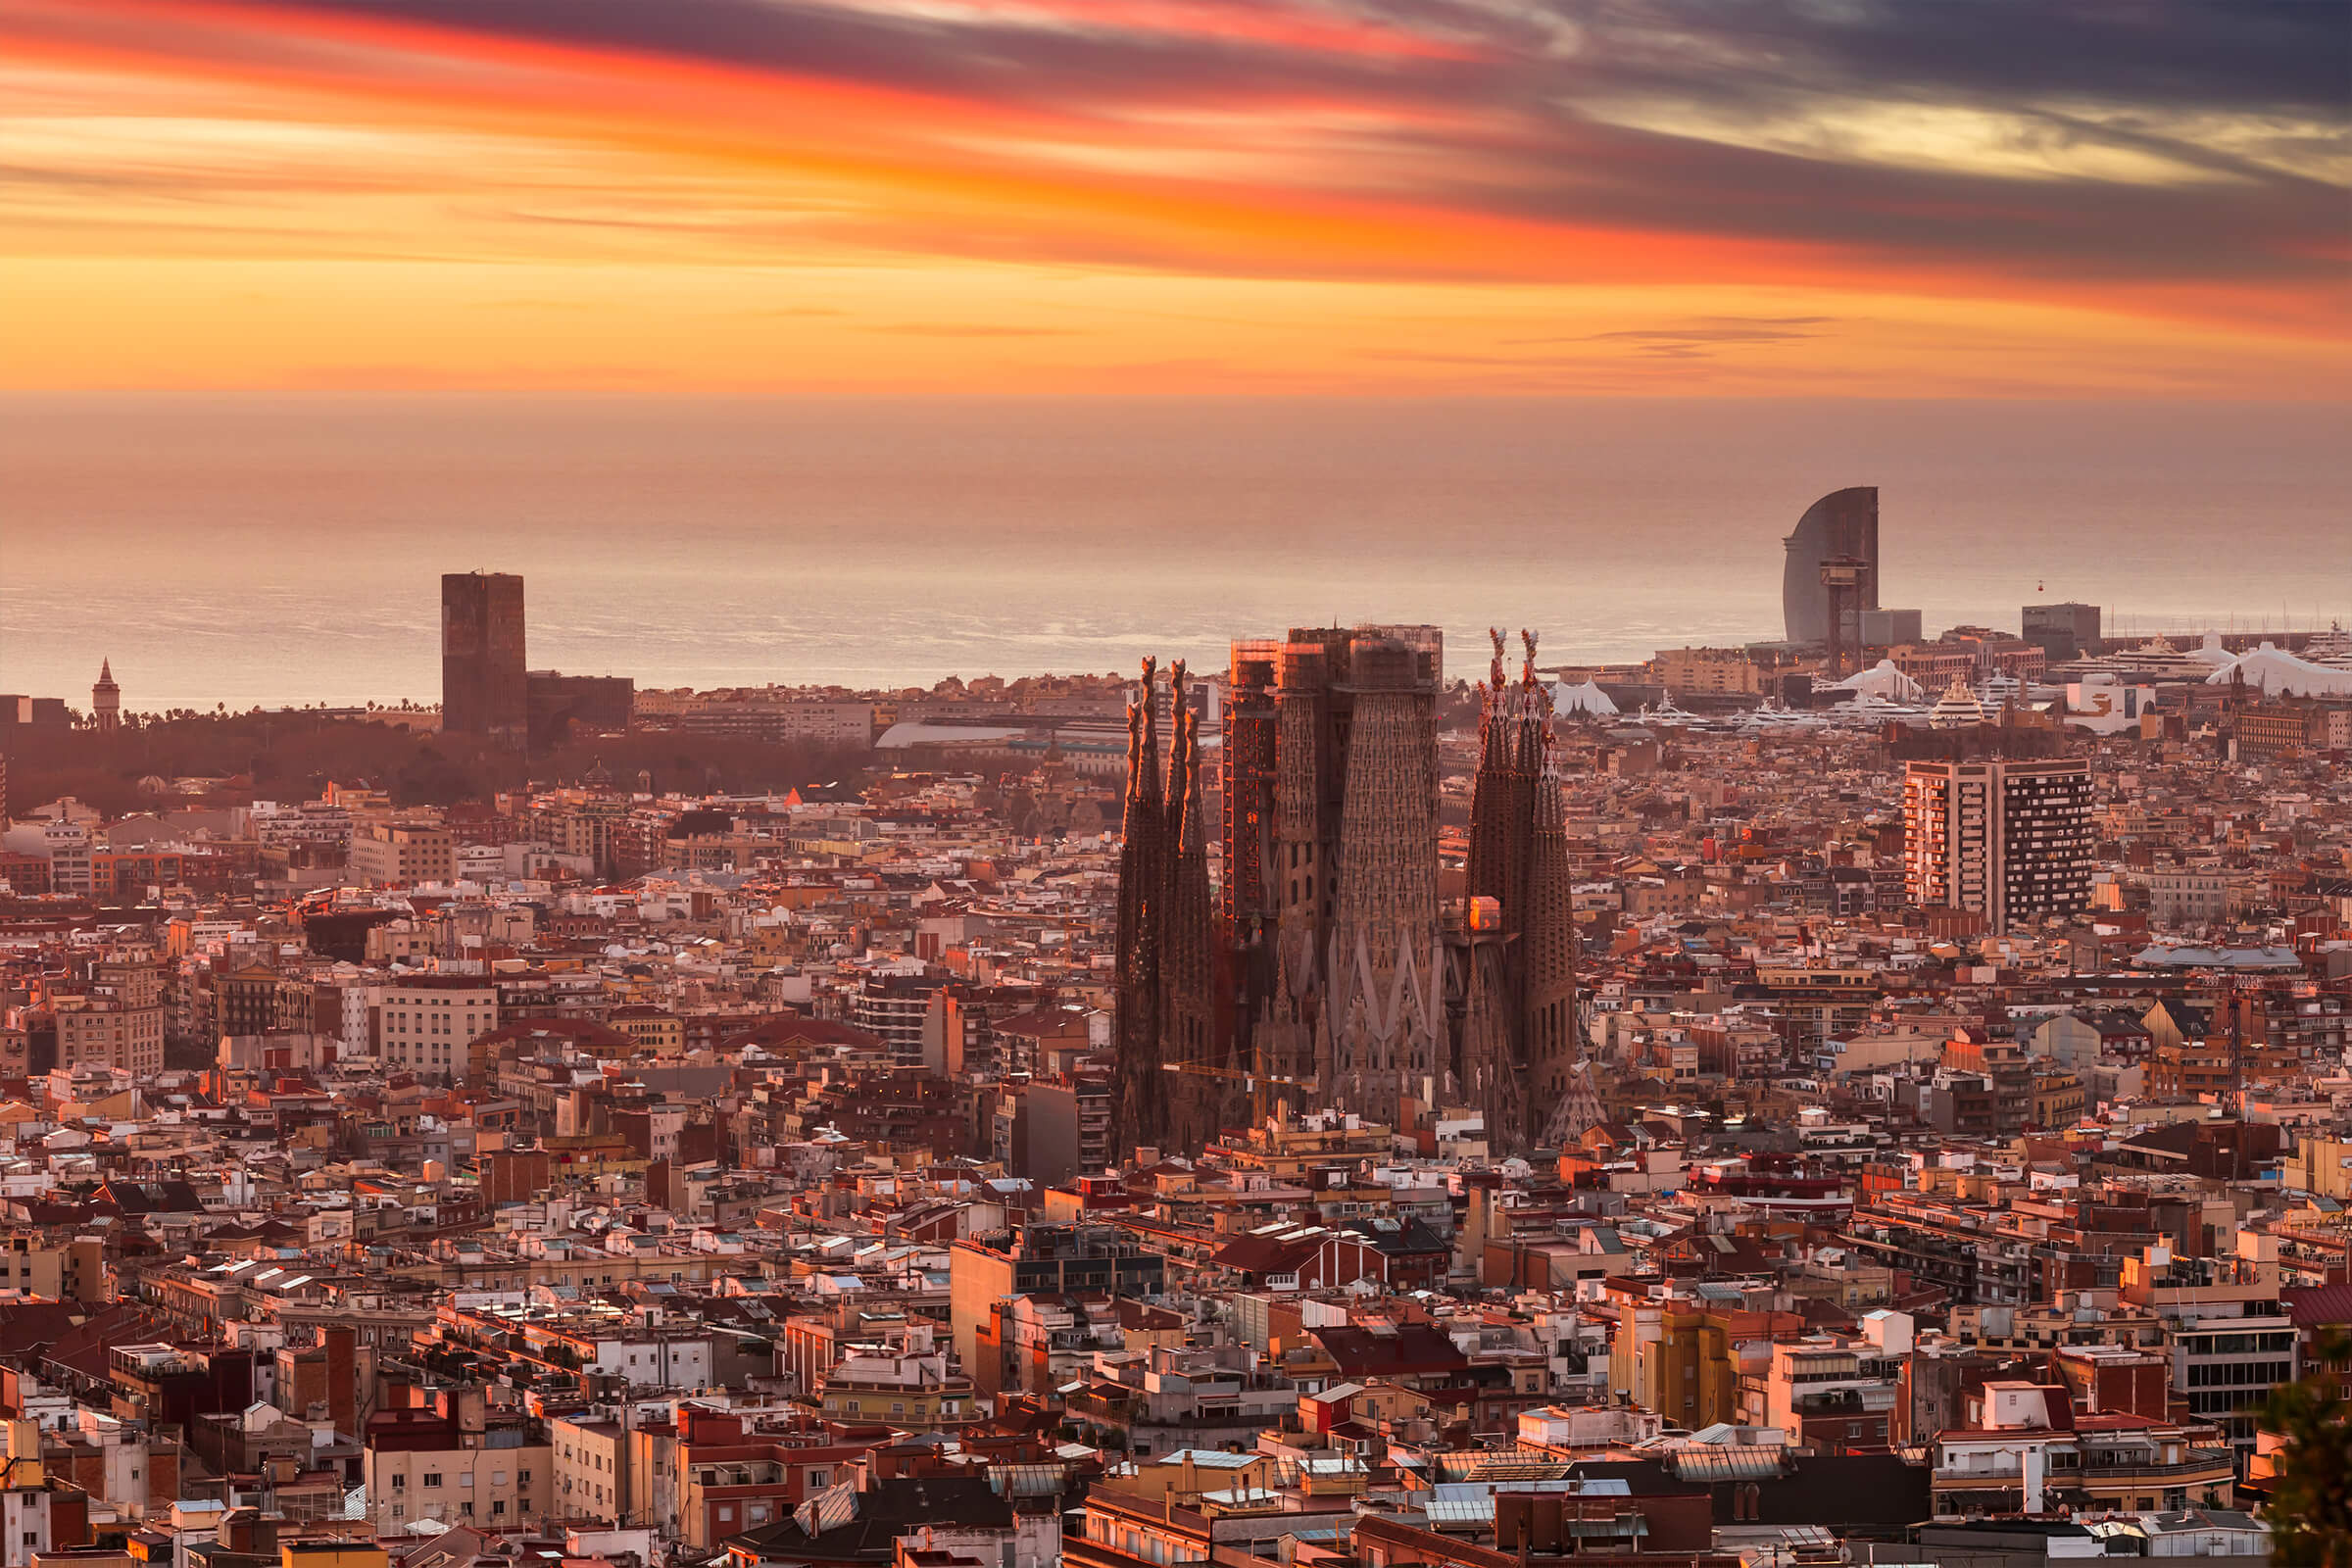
1381, 1030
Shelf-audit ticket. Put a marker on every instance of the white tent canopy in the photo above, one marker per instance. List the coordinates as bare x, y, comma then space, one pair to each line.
2273, 671
1588, 698
1882, 679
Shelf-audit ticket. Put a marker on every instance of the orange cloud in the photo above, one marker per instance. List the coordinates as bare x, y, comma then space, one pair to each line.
1168, 143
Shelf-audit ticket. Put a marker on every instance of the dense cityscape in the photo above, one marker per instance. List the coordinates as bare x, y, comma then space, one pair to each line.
1857, 1098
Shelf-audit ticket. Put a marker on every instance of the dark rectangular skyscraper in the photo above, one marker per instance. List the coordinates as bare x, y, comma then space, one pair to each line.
2064, 631
484, 690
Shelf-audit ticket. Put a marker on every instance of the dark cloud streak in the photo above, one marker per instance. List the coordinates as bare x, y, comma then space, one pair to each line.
1514, 122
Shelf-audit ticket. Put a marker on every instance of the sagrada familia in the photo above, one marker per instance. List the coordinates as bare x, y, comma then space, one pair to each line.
1327, 969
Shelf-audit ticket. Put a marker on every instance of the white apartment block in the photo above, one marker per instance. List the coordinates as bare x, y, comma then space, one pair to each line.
388, 856
425, 1025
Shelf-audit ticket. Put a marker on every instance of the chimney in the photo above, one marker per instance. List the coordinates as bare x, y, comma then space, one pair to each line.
470, 1408
342, 1385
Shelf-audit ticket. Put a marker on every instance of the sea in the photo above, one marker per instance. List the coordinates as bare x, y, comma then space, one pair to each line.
281, 550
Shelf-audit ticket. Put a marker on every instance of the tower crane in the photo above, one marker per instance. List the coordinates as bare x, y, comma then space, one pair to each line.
1260, 1086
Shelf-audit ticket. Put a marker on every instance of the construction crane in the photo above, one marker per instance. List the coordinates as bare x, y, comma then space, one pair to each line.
1258, 1085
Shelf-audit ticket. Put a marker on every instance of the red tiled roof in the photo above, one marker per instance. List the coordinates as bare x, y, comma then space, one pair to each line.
797, 1029
579, 1031
1414, 1349
2319, 1306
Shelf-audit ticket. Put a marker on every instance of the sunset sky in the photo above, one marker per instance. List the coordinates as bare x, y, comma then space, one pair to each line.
1824, 197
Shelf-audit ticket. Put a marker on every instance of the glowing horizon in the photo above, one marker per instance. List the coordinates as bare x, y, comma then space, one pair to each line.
1179, 196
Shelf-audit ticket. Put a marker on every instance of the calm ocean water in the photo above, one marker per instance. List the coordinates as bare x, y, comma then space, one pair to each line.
277, 550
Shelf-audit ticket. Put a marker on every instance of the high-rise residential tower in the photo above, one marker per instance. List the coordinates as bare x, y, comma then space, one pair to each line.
485, 689
2010, 840
1841, 525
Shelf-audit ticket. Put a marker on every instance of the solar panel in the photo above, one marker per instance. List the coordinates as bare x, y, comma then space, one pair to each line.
1519, 1470
1623, 1525
835, 1507
1027, 1479
1725, 1464
1214, 1459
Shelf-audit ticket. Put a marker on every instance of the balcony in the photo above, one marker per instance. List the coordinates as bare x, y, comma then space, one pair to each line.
2221, 1466
2218, 1468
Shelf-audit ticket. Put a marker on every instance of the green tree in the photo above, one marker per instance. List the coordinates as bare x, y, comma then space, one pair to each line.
2310, 1509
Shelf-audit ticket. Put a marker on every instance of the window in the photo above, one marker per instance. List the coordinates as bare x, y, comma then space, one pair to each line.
466, 1509
498, 1508
432, 1478
523, 1478
400, 1483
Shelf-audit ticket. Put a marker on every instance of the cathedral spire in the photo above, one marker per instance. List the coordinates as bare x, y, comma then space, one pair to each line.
1549, 1027
1165, 964
1493, 738
1143, 780
1515, 968
1137, 1094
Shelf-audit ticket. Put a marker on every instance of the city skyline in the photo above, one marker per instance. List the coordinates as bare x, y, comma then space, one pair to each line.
1874, 200
285, 550
734, 831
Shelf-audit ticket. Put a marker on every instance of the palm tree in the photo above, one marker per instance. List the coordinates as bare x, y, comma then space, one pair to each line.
2310, 1509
